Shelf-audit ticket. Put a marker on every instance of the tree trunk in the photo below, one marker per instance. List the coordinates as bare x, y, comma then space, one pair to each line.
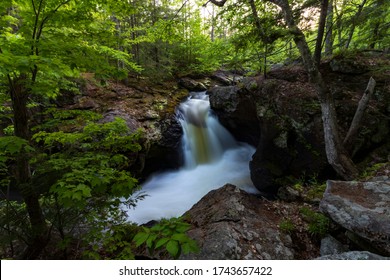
363, 103
329, 30
39, 232
354, 23
321, 30
336, 154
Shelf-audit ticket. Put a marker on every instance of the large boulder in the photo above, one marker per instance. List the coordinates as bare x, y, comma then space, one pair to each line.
331, 246
192, 85
236, 111
362, 208
291, 141
226, 78
229, 223
282, 119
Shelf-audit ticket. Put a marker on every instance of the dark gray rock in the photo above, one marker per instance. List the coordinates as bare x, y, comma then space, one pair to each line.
331, 246
85, 103
192, 85
110, 116
291, 134
348, 66
362, 208
354, 255
289, 194
236, 111
164, 153
226, 78
229, 223
287, 131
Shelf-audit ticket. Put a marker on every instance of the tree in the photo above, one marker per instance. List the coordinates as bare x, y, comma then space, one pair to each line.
321, 30
329, 30
355, 20
337, 156
43, 42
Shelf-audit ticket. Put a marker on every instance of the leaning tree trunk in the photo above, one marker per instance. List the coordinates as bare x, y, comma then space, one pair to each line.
336, 154
39, 237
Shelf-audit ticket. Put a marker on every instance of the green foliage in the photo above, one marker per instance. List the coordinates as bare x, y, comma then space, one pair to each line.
169, 235
93, 161
118, 241
66, 120
287, 226
13, 146
316, 188
316, 191
318, 224
14, 226
83, 178
370, 171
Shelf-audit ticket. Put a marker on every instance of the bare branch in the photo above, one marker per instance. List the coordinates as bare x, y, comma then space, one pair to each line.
35, 9
182, 6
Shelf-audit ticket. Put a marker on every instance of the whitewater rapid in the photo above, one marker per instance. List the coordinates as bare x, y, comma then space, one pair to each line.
212, 159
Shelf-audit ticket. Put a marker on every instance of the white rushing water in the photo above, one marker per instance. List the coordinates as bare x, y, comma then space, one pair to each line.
212, 158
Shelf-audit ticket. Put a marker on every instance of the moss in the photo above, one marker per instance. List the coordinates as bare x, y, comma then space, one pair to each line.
371, 171
281, 140
316, 192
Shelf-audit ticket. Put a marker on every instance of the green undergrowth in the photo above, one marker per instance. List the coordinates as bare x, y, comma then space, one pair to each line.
169, 235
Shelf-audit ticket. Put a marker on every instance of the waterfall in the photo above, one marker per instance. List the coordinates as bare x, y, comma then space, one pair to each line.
204, 138
212, 158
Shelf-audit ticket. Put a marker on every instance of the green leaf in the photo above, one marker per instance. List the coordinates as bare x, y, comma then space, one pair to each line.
180, 237
186, 248
173, 248
150, 240
161, 242
141, 238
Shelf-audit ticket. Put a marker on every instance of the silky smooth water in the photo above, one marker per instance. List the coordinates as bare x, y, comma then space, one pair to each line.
212, 158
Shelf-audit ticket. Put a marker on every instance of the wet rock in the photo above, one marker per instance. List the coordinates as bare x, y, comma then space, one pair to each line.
226, 78
236, 111
165, 153
291, 133
278, 117
229, 223
362, 208
192, 85
354, 255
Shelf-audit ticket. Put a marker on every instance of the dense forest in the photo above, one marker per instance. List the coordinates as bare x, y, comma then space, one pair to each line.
66, 176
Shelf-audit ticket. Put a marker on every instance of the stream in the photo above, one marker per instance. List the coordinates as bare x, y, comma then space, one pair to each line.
212, 158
